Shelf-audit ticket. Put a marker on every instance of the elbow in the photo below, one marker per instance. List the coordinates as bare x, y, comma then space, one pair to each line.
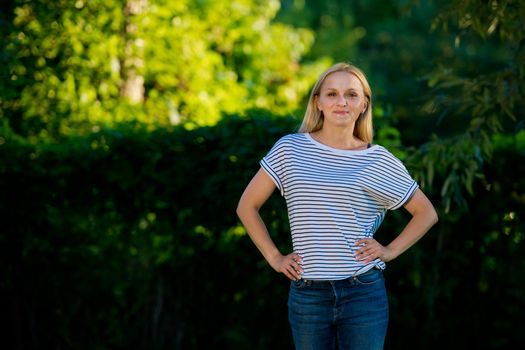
434, 218
239, 209
242, 208
246, 209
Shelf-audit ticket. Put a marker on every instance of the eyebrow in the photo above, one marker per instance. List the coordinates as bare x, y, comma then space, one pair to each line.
351, 89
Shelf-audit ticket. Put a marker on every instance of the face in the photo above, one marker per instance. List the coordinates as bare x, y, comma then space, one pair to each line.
341, 99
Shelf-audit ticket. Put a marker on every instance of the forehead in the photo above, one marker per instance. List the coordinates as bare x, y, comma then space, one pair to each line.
342, 81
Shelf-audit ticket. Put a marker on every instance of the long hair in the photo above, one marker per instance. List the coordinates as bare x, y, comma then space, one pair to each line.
314, 118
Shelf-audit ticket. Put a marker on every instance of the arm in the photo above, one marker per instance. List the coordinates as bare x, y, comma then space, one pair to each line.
424, 216
255, 195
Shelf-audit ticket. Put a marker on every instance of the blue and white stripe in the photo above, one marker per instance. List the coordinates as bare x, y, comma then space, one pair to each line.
334, 198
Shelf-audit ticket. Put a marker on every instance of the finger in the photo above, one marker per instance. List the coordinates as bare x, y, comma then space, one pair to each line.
364, 250
287, 271
363, 258
370, 249
296, 263
362, 241
373, 255
297, 258
292, 273
289, 275
370, 259
367, 255
297, 269
371, 246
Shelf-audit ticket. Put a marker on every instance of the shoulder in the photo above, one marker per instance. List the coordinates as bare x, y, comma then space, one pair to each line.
383, 151
384, 155
290, 140
294, 137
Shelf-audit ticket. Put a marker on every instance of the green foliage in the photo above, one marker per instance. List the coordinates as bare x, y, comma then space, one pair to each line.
118, 222
482, 99
128, 238
336, 33
75, 66
448, 75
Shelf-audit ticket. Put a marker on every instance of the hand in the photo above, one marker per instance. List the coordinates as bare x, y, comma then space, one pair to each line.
370, 250
289, 265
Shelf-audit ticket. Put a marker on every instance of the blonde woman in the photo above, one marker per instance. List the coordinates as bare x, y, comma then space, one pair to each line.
338, 186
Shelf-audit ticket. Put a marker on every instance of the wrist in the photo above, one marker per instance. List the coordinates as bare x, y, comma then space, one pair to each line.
273, 257
390, 254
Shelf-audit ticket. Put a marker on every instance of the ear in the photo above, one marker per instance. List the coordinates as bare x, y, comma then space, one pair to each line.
317, 104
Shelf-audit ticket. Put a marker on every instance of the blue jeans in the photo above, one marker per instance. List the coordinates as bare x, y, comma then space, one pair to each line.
345, 314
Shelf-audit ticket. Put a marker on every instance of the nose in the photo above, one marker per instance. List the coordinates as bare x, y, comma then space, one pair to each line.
342, 100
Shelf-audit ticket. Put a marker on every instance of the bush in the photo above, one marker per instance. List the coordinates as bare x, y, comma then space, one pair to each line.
128, 239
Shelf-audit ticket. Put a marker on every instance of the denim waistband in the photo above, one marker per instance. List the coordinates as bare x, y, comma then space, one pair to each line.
309, 282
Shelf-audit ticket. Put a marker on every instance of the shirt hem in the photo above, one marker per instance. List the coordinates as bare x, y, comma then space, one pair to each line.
273, 176
411, 190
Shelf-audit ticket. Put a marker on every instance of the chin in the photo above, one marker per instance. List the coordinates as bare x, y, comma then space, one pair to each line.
347, 121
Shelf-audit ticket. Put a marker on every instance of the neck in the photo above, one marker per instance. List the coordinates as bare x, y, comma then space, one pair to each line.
341, 138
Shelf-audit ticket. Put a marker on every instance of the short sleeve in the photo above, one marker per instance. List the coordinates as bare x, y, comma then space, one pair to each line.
274, 163
396, 186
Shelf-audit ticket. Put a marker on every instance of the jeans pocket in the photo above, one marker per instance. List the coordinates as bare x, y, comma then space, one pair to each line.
299, 284
369, 277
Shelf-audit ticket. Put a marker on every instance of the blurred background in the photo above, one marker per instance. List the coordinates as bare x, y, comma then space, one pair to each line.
129, 129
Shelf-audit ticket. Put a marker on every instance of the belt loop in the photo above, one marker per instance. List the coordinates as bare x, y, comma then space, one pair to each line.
308, 282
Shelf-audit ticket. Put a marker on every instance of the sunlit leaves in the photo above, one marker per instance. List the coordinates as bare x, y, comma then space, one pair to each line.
73, 62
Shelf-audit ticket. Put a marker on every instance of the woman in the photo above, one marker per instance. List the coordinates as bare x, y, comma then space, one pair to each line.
337, 187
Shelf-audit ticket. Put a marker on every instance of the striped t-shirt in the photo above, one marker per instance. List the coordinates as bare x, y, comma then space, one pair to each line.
334, 198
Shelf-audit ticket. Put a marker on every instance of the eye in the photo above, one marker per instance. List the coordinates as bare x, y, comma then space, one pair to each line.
331, 94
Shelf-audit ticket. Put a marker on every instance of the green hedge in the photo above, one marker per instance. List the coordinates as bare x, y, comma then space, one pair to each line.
128, 239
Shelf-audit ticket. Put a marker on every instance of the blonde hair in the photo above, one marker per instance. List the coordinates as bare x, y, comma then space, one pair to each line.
313, 117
